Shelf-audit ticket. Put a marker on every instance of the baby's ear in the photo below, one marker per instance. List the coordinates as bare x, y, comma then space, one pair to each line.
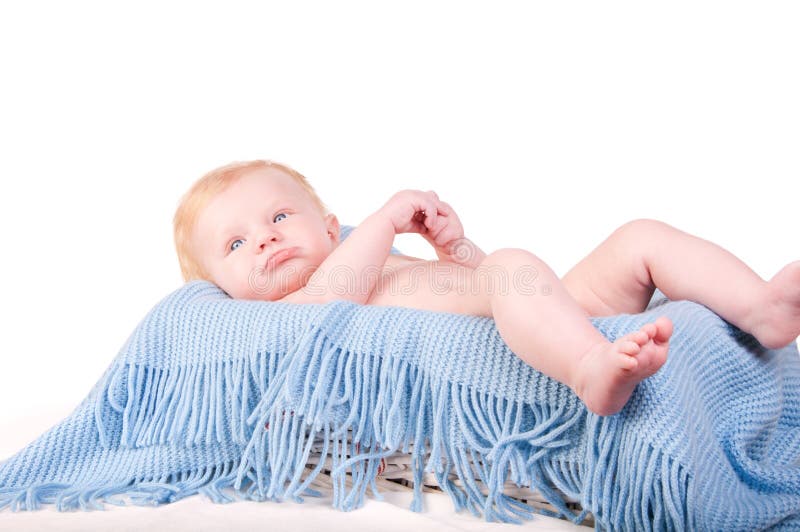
333, 227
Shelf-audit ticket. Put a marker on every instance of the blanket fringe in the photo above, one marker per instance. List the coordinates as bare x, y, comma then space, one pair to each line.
209, 481
329, 396
191, 405
654, 492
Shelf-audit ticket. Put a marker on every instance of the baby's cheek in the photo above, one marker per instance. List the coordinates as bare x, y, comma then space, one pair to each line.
235, 288
259, 285
250, 282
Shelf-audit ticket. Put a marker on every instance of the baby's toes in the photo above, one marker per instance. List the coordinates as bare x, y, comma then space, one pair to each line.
627, 362
650, 330
641, 337
629, 347
664, 329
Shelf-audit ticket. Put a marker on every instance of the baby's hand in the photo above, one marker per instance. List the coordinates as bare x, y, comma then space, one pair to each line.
446, 230
412, 211
447, 238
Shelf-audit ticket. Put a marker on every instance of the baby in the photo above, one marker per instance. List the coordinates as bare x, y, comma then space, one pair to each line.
258, 231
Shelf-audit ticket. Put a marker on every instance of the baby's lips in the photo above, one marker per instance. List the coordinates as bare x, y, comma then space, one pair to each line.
280, 256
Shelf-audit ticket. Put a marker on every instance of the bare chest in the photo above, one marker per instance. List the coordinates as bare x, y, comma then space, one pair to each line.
429, 285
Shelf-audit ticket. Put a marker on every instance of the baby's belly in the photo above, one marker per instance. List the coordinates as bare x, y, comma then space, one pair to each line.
430, 285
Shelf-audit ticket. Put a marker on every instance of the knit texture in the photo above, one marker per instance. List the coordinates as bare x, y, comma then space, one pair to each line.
230, 398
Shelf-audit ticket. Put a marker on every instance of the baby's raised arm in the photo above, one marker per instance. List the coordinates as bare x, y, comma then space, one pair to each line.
352, 269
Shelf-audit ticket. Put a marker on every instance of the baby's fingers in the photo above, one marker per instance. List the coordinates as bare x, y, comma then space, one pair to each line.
445, 207
431, 216
440, 229
427, 213
448, 236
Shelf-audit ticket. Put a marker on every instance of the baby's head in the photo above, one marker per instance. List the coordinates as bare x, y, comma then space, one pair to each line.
256, 229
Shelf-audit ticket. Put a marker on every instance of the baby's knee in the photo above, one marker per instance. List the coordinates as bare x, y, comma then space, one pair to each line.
509, 257
511, 269
511, 263
642, 229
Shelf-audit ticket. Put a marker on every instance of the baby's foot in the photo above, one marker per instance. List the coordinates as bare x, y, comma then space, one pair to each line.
608, 372
777, 318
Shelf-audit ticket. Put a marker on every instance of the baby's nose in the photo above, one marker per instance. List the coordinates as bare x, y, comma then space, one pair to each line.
267, 237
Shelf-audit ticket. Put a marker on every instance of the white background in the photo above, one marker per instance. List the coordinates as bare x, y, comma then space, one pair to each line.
545, 126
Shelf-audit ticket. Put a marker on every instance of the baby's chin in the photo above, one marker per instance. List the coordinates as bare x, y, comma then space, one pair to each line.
268, 292
257, 294
290, 276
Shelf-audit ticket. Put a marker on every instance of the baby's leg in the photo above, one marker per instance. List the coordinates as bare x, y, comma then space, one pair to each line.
546, 327
620, 275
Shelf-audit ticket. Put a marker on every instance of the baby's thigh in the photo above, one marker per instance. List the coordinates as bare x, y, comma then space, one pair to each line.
435, 285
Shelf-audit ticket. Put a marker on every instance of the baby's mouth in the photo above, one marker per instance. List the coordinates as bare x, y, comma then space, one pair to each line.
280, 256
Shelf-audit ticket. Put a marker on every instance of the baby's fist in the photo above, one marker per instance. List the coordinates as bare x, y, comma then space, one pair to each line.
412, 211
446, 229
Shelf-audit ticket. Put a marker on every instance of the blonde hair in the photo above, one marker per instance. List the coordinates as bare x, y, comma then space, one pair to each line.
202, 192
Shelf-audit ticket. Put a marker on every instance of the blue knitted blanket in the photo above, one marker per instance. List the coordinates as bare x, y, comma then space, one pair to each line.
227, 398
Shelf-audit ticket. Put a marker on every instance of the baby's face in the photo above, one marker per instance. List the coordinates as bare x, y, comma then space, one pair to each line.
263, 236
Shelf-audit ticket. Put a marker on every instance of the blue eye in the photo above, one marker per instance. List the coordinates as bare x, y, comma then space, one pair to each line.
277, 215
234, 245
